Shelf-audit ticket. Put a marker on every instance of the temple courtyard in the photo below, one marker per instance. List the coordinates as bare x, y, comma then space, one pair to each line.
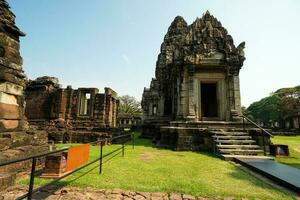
165, 173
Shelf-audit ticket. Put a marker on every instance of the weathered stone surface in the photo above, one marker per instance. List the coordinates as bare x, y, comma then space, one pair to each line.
5, 143
188, 197
9, 111
15, 142
10, 88
6, 125
196, 80
70, 115
175, 196
8, 99
69, 193
6, 180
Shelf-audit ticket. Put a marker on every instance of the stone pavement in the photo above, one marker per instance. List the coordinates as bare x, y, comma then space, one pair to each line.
72, 193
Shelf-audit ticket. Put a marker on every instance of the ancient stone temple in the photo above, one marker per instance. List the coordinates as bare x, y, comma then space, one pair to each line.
196, 85
70, 115
16, 140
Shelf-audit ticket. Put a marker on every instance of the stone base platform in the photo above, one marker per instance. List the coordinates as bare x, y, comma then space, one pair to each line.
198, 136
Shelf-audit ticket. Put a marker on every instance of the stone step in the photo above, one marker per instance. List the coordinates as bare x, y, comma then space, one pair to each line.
234, 137
238, 146
230, 133
235, 142
241, 151
232, 156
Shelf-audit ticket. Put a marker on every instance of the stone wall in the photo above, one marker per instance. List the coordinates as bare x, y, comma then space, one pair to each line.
16, 140
70, 115
127, 120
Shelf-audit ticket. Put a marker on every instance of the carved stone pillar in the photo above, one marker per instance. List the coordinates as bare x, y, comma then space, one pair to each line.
191, 102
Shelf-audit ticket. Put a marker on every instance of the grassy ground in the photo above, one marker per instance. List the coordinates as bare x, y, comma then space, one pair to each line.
159, 170
294, 147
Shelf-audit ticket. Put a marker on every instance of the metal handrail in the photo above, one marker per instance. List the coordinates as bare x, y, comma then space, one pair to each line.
255, 124
33, 156
106, 139
31, 190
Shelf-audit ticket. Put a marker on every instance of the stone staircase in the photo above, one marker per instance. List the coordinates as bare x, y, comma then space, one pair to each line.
229, 144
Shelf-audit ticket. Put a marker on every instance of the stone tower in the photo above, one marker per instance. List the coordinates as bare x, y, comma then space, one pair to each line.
197, 74
15, 138
196, 88
12, 77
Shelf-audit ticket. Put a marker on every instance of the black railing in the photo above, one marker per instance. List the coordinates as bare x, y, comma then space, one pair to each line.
264, 131
125, 138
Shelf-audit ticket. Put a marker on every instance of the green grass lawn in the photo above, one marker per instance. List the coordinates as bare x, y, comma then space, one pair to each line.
294, 147
150, 169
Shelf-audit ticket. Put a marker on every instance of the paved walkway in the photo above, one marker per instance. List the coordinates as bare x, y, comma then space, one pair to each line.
74, 193
283, 174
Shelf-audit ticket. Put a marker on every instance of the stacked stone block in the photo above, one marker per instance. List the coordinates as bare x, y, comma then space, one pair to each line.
16, 140
58, 111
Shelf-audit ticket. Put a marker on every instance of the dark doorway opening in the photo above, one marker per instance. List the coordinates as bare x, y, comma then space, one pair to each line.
209, 104
168, 106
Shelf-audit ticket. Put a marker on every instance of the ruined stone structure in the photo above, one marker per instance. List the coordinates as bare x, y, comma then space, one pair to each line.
15, 138
127, 120
70, 115
196, 85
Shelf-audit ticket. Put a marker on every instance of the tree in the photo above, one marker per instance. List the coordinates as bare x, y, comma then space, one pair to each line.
130, 105
278, 106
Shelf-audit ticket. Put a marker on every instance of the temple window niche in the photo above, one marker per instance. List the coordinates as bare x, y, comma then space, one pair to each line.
154, 110
85, 104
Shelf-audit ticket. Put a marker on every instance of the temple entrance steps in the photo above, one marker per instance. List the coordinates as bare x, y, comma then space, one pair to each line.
235, 143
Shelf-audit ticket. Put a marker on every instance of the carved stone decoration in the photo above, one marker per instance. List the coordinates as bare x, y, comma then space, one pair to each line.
195, 58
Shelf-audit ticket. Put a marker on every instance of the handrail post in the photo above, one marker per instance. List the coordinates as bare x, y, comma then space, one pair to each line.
101, 157
215, 144
31, 183
123, 147
264, 143
132, 137
243, 123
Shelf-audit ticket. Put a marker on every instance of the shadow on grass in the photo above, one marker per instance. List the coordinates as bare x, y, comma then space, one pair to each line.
50, 190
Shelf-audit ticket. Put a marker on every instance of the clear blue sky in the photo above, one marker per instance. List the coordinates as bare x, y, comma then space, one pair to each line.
115, 43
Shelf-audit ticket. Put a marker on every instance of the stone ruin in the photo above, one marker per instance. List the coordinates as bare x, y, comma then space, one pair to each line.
70, 115
196, 86
54, 113
16, 140
129, 121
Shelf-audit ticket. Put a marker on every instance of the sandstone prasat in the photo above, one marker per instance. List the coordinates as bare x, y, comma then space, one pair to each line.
195, 93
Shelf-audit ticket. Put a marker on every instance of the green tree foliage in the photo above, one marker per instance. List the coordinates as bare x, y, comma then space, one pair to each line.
130, 105
279, 105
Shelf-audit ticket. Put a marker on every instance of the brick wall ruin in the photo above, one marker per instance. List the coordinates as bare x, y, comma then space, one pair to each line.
70, 115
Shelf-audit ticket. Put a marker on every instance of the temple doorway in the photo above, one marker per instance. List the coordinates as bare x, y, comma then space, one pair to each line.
209, 103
